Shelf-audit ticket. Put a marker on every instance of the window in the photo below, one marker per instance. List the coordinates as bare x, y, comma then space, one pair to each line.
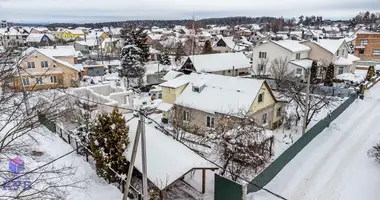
39, 81
210, 122
229, 71
265, 118
341, 70
299, 71
376, 52
363, 42
261, 67
25, 81
298, 56
16, 37
261, 97
53, 79
31, 65
186, 116
44, 64
8, 37
342, 52
195, 89
361, 51
337, 53
262, 54
278, 112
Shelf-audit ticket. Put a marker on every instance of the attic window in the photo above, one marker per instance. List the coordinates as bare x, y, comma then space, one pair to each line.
196, 89
261, 98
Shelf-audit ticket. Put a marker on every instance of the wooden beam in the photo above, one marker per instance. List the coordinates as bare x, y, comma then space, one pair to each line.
161, 194
203, 181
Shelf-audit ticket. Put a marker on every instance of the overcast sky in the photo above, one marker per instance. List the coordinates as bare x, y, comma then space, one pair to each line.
115, 10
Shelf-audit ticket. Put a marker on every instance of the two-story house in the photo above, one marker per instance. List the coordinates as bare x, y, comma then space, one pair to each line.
227, 64
203, 99
263, 56
332, 51
367, 46
47, 68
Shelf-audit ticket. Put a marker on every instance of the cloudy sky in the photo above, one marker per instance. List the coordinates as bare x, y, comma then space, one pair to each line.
113, 10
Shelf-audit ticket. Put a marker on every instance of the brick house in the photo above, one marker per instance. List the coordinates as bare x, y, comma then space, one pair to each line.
367, 46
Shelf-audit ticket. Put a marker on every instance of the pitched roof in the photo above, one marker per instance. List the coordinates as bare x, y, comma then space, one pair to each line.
37, 37
59, 51
346, 61
221, 94
304, 63
48, 54
330, 45
219, 62
292, 45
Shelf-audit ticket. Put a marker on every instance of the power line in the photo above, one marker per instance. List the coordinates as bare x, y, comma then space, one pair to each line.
39, 167
162, 127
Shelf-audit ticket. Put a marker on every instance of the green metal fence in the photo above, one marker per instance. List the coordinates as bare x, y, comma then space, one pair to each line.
276, 166
226, 189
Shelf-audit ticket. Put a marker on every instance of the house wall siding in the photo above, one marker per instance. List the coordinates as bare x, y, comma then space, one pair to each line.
169, 95
267, 101
318, 53
273, 51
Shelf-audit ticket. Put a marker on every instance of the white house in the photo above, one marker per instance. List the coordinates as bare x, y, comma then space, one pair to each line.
264, 54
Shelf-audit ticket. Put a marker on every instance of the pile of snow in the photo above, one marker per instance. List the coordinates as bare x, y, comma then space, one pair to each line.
354, 77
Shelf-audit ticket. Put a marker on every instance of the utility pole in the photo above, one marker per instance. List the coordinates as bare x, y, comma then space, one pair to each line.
306, 112
144, 159
23, 90
132, 161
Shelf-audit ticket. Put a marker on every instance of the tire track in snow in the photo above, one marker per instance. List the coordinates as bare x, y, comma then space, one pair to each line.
332, 187
305, 182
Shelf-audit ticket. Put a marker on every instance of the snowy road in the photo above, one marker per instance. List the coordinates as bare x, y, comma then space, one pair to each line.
335, 164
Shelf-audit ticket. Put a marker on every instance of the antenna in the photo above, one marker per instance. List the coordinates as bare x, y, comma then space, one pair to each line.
193, 40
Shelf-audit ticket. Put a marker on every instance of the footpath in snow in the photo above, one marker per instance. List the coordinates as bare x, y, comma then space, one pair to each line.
335, 164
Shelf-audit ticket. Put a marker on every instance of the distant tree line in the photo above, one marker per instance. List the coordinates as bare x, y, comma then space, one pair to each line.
365, 18
171, 23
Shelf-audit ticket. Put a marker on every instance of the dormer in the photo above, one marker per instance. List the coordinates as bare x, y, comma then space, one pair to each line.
198, 87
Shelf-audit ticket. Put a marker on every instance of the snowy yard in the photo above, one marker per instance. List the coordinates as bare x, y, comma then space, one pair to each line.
335, 164
52, 146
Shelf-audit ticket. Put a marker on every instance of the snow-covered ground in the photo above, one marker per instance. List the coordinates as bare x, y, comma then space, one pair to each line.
335, 164
357, 77
52, 146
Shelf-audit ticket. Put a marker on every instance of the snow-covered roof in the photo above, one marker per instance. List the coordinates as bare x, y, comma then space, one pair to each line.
175, 83
59, 51
49, 54
165, 107
255, 27
292, 45
330, 45
37, 37
41, 29
220, 94
76, 32
167, 159
219, 62
351, 77
346, 61
88, 42
304, 63
172, 75
155, 36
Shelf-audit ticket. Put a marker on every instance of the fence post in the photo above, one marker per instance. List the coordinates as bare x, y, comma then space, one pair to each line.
60, 131
86, 154
76, 144
68, 137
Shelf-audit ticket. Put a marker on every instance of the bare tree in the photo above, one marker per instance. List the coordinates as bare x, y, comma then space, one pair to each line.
280, 71
261, 69
240, 145
19, 119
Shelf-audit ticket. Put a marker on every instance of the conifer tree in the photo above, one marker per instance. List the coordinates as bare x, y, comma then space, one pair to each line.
108, 142
134, 55
329, 75
313, 71
207, 49
370, 73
